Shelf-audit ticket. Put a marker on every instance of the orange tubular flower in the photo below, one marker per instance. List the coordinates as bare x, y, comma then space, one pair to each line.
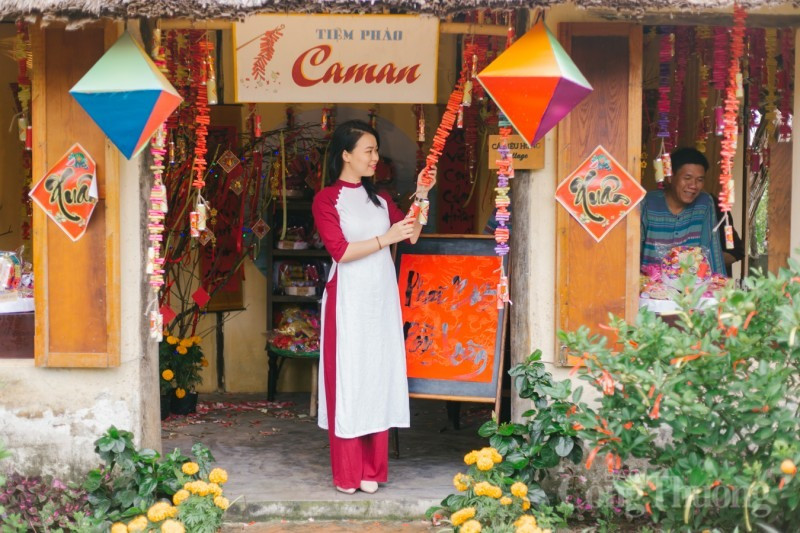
748, 319
592, 455
628, 425
655, 412
647, 508
607, 383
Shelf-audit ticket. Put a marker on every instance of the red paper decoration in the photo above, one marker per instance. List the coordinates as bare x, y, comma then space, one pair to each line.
726, 197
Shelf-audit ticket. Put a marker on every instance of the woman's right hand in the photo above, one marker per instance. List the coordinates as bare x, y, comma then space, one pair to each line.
399, 231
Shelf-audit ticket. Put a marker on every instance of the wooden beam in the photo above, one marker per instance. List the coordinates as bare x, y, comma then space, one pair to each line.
473, 29
445, 27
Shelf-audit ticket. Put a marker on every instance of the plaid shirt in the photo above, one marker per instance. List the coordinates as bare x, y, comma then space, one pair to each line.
694, 226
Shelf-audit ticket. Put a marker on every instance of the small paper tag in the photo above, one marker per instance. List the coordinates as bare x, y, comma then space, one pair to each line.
260, 228
228, 161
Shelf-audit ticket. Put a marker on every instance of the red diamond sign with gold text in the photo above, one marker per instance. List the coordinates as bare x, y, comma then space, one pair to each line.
66, 191
599, 193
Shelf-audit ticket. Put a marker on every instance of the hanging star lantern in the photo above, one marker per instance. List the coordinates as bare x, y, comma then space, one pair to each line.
534, 83
126, 95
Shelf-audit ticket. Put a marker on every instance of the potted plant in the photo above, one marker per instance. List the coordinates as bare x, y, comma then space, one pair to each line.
180, 363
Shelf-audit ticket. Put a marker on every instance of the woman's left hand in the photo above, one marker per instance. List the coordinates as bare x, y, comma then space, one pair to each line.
422, 190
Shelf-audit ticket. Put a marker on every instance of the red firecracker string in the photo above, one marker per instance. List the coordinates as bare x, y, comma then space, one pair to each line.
200, 49
703, 45
443, 131
726, 197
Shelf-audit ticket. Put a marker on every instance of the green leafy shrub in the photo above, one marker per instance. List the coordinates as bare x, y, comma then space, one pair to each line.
538, 445
502, 482
490, 501
138, 490
711, 403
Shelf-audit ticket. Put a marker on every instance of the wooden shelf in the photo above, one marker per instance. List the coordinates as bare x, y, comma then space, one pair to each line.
277, 252
285, 298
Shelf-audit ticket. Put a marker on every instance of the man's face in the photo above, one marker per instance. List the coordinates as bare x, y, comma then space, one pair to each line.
687, 183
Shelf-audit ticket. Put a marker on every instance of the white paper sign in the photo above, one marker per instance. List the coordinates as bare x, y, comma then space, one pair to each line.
336, 58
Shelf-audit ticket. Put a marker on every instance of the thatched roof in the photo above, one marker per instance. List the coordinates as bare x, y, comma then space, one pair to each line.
238, 9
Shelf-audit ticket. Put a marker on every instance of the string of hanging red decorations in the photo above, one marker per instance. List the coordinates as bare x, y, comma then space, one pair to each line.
201, 48
505, 171
502, 202
449, 118
726, 197
23, 55
661, 164
702, 42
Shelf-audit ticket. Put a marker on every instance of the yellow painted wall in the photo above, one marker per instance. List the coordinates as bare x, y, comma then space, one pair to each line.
11, 177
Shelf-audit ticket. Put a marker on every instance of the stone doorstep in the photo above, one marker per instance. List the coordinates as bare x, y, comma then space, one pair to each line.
245, 512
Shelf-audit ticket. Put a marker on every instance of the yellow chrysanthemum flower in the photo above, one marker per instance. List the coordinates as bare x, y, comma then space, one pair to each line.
494, 454
484, 488
527, 529
197, 339
167, 374
187, 343
180, 496
519, 489
137, 524
525, 520
505, 500
481, 487
526, 504
222, 502
181, 350
214, 489
172, 526
459, 517
471, 457
160, 510
190, 468
180, 393
473, 526
460, 482
172, 340
485, 463
119, 527
218, 476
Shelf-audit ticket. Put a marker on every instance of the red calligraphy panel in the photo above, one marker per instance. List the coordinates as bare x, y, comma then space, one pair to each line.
450, 315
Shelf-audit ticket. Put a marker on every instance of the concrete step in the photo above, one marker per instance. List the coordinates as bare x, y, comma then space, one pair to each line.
366, 509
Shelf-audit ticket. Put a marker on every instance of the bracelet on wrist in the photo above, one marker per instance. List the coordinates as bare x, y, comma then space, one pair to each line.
380, 246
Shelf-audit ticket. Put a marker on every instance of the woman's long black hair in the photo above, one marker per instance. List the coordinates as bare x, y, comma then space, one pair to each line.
345, 137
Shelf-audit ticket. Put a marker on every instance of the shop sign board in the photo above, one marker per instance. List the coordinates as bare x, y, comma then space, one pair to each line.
336, 58
599, 193
524, 156
68, 191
